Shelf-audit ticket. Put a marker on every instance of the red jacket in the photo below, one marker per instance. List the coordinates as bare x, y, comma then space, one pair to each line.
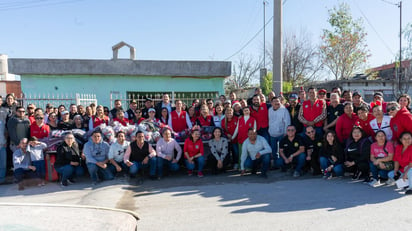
311, 112
230, 127
178, 121
401, 122
261, 116
39, 132
193, 148
365, 125
244, 127
344, 126
403, 158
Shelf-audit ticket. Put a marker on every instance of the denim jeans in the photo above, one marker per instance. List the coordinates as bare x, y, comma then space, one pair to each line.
69, 171
299, 161
376, 172
139, 165
235, 153
20, 174
391, 175
40, 168
264, 132
174, 167
97, 172
264, 160
200, 163
325, 163
274, 144
3, 164
125, 168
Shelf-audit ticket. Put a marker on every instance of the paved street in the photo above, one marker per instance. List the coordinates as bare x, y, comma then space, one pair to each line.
228, 202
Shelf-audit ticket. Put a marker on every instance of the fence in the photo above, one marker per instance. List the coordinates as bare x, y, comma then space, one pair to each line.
186, 97
56, 99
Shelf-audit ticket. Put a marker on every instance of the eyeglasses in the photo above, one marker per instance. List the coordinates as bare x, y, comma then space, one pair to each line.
39, 118
391, 109
209, 103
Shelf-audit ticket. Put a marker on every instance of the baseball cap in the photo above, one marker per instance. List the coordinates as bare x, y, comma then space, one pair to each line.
293, 96
378, 94
151, 109
355, 94
322, 91
64, 113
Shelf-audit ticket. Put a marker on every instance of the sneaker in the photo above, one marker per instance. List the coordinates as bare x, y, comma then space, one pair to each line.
189, 172
64, 183
236, 166
374, 183
296, 174
356, 175
200, 174
71, 181
390, 182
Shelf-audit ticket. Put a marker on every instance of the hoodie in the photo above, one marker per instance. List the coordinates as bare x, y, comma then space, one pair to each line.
401, 122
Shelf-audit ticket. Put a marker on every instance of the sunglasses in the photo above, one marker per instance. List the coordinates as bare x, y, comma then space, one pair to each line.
391, 109
39, 118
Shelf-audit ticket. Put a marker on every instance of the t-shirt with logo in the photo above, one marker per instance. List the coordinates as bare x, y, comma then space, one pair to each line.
290, 147
378, 151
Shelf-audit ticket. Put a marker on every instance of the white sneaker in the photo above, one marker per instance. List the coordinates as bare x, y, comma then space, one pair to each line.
296, 174
390, 182
374, 183
236, 166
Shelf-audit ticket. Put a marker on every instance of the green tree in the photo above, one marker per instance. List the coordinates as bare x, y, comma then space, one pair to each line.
344, 50
267, 83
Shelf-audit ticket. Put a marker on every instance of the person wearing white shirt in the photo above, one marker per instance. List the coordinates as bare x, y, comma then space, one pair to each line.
116, 153
255, 151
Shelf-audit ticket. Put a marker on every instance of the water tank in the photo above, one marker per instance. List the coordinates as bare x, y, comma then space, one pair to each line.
4, 68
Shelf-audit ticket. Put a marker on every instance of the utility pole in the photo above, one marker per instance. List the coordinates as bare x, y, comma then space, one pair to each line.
400, 49
277, 47
263, 70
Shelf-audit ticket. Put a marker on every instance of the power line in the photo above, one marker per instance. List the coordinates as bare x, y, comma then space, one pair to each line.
250, 40
388, 2
373, 28
254, 36
32, 4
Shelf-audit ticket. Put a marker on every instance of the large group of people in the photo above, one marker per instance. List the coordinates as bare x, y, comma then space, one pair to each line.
326, 134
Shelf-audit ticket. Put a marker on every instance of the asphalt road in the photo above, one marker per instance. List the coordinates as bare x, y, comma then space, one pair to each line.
223, 202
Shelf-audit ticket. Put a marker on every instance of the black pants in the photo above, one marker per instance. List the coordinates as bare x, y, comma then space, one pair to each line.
212, 163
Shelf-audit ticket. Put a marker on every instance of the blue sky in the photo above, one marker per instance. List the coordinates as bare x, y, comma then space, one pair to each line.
178, 29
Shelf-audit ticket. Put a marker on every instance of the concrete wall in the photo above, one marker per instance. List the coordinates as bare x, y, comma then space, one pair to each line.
103, 85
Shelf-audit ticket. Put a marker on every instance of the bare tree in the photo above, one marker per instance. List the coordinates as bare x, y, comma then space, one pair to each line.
244, 72
301, 60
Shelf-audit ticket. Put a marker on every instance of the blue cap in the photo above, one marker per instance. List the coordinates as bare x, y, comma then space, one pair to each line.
293, 96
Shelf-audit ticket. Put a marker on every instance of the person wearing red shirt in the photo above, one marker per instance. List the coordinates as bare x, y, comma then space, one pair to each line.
193, 151
39, 129
364, 119
259, 111
229, 124
120, 118
99, 118
191, 113
313, 112
401, 120
204, 119
179, 120
403, 161
345, 123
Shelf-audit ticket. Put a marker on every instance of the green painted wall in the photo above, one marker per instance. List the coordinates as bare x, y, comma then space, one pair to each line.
101, 86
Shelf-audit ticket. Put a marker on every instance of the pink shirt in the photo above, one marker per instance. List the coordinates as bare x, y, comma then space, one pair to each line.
378, 152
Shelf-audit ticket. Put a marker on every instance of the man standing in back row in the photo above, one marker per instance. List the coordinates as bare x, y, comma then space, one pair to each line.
313, 112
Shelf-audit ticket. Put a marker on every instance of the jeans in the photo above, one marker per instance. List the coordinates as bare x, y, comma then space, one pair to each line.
133, 169
376, 172
235, 153
200, 163
20, 174
391, 175
124, 167
264, 160
325, 163
97, 172
299, 160
40, 168
174, 167
69, 171
3, 164
274, 144
264, 132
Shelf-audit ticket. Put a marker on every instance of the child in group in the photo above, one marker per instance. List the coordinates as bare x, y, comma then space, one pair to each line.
35, 148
